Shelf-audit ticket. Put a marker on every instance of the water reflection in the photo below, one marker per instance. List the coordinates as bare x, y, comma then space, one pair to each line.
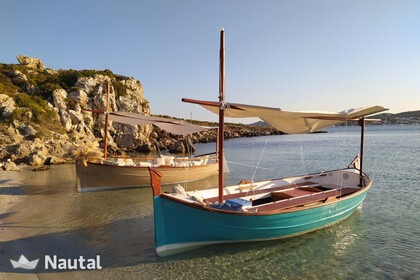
118, 225
379, 242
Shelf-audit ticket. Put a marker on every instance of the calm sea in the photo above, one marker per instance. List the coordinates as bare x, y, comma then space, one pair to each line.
381, 240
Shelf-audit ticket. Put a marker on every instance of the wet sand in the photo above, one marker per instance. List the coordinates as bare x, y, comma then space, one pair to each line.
20, 193
10, 196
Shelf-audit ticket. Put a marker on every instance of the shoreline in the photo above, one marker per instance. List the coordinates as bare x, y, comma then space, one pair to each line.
10, 191
11, 195
14, 162
14, 235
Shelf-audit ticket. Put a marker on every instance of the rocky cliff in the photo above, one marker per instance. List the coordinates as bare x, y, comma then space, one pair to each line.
45, 114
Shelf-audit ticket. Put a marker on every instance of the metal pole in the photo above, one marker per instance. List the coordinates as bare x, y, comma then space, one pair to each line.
106, 121
221, 114
362, 140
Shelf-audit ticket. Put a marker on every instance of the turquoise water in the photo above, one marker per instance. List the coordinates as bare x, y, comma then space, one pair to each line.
380, 241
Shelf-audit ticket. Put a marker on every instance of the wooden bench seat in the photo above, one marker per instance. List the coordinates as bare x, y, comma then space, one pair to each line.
261, 191
288, 200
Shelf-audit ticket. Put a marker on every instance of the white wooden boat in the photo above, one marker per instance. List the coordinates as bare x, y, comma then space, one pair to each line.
103, 172
115, 173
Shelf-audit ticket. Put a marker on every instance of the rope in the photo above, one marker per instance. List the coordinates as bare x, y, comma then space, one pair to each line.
302, 156
342, 155
248, 165
262, 152
374, 164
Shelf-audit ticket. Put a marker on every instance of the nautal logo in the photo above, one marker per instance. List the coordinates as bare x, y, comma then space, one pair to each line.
24, 263
54, 262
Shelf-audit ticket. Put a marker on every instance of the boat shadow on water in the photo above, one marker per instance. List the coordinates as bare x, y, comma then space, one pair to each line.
323, 243
130, 242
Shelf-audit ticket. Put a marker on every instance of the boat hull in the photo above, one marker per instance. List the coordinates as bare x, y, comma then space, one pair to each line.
180, 228
96, 176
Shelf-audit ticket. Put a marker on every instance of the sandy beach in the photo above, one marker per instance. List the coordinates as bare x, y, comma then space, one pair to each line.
18, 196
43, 214
9, 190
11, 195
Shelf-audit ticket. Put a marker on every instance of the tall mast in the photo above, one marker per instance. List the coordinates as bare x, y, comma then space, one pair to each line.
221, 114
106, 121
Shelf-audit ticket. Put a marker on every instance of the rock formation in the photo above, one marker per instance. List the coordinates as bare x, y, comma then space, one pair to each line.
31, 62
45, 114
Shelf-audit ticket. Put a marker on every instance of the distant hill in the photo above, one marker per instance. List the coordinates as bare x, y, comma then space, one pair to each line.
259, 124
410, 117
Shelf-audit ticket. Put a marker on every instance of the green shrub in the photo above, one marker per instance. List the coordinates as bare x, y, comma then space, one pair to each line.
68, 78
46, 90
119, 88
42, 114
6, 85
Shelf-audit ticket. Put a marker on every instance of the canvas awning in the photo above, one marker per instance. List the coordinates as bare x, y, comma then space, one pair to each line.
289, 122
173, 126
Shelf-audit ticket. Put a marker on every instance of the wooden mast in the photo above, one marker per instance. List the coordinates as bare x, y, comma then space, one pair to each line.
362, 140
221, 114
106, 121
221, 105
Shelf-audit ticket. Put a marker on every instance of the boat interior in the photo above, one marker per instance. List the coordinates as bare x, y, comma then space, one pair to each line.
278, 194
163, 160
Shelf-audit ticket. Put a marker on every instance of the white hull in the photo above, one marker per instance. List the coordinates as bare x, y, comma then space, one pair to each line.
99, 176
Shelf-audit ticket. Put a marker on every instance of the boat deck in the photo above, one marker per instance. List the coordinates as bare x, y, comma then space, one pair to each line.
286, 196
261, 191
278, 195
301, 197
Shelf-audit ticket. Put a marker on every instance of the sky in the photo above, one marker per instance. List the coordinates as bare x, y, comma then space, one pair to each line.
302, 55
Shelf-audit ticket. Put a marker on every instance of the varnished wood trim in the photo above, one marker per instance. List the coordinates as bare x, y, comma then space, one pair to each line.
338, 198
302, 200
254, 192
155, 181
266, 212
160, 166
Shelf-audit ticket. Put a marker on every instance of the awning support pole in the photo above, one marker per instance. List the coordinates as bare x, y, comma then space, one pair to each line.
362, 140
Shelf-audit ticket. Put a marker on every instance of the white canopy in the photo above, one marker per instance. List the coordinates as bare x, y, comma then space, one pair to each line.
292, 122
178, 127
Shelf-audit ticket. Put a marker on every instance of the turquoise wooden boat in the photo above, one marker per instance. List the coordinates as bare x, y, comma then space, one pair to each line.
256, 211
187, 221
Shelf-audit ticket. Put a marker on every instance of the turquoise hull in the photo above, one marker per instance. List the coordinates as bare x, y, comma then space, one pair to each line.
179, 227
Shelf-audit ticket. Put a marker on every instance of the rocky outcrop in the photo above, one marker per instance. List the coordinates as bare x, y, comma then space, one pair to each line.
75, 100
31, 62
46, 114
9, 166
7, 105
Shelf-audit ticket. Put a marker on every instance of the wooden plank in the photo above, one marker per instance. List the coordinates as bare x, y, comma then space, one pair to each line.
261, 191
298, 201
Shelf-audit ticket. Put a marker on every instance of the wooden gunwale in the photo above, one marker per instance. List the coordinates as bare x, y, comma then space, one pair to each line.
146, 167
297, 206
153, 158
305, 199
